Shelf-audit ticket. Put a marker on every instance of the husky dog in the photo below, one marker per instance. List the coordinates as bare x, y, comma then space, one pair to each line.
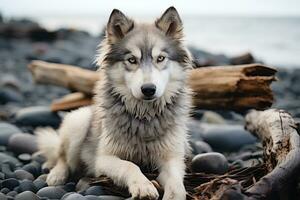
139, 115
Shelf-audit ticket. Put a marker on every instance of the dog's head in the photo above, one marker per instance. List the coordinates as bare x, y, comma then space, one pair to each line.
145, 61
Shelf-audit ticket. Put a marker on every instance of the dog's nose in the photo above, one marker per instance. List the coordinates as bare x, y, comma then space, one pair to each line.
148, 89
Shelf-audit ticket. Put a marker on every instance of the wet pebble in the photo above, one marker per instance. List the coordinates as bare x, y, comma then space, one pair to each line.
51, 192
27, 185
6, 131
10, 183
22, 174
26, 196
214, 163
226, 138
23, 143
37, 116
94, 190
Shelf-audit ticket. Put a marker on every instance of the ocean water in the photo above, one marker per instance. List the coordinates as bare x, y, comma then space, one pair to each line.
275, 41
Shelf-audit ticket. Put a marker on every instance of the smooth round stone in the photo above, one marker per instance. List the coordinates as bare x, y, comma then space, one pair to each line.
5, 190
26, 196
39, 184
69, 187
23, 143
34, 168
24, 157
92, 197
51, 192
10, 183
110, 197
3, 196
212, 118
212, 163
9, 95
200, 147
73, 196
22, 174
94, 190
194, 129
27, 185
226, 138
6, 170
12, 194
12, 161
2, 176
37, 116
6, 131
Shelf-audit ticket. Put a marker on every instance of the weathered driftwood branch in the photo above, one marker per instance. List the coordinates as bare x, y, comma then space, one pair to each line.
281, 141
237, 87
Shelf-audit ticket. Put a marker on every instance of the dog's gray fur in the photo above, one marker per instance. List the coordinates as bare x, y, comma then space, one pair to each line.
122, 131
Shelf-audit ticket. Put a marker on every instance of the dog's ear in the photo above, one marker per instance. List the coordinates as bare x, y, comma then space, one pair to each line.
118, 25
170, 23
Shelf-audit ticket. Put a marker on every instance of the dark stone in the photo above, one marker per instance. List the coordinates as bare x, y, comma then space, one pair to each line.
22, 174
73, 196
2, 176
69, 187
212, 163
13, 162
26, 196
226, 138
27, 185
10, 183
8, 95
33, 168
94, 190
6, 170
23, 143
200, 147
37, 116
5, 190
51, 192
39, 184
6, 131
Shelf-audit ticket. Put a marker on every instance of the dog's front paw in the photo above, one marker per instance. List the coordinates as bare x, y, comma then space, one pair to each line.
56, 177
143, 190
174, 191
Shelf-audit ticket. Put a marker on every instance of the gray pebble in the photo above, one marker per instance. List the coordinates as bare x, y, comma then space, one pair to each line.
22, 174
27, 185
26, 196
10, 183
23, 143
6, 131
212, 163
73, 196
51, 192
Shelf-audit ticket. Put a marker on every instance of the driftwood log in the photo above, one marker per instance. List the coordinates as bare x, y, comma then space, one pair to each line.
278, 132
238, 87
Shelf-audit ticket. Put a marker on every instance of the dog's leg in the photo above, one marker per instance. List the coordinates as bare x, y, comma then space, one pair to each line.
59, 174
171, 178
126, 173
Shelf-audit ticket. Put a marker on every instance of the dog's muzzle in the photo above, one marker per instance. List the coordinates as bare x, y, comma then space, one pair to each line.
148, 91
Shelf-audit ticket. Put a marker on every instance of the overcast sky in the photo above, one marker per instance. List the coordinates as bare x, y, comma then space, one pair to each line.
35, 8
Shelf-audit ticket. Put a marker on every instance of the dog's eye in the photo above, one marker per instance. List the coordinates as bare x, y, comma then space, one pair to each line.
132, 60
160, 58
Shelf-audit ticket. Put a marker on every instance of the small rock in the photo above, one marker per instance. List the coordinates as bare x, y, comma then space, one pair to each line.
94, 190
37, 116
22, 174
27, 185
92, 197
110, 197
5, 190
3, 196
226, 138
23, 143
10, 183
8, 95
6, 170
39, 183
213, 163
12, 194
6, 131
26, 196
24, 157
51, 192
212, 118
32, 168
200, 147
13, 162
73, 196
